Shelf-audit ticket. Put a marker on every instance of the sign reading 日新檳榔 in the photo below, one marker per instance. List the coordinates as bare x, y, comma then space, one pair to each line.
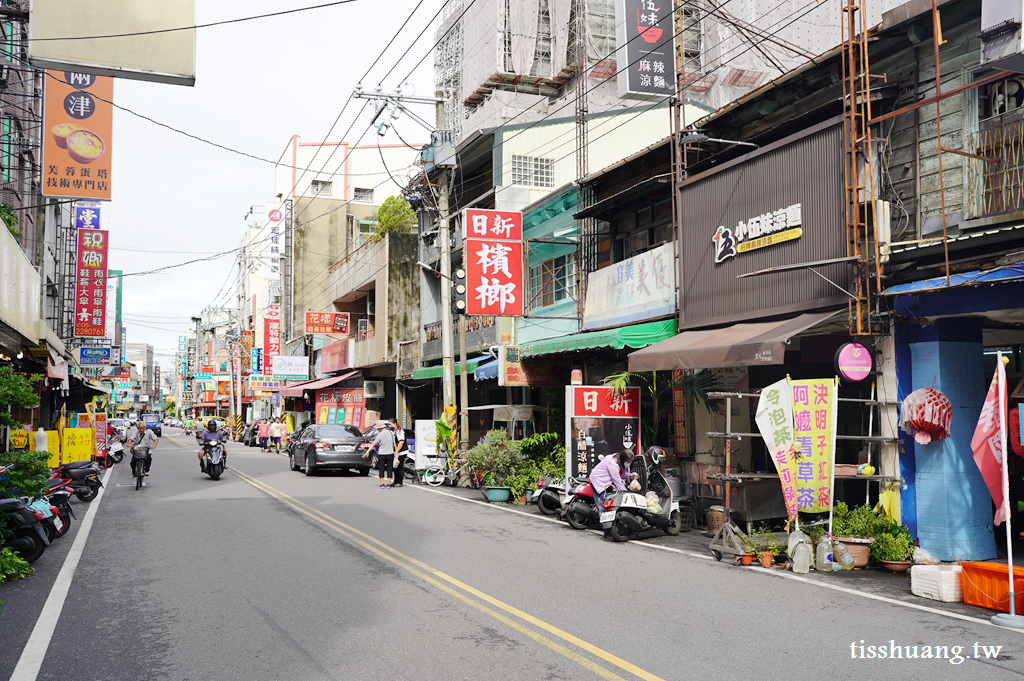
494, 262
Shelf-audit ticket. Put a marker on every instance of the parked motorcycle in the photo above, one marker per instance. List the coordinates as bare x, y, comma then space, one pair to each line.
630, 513
60, 497
22, 529
115, 450
83, 477
213, 459
548, 495
580, 508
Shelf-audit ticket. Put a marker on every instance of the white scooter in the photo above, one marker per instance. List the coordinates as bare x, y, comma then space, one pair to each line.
631, 513
115, 450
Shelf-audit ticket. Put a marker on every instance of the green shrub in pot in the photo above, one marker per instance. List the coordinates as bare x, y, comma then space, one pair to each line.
496, 458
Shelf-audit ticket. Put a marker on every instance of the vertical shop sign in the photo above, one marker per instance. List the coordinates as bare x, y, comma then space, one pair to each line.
91, 286
87, 216
494, 262
644, 38
77, 125
774, 419
246, 353
814, 431
598, 423
271, 337
679, 413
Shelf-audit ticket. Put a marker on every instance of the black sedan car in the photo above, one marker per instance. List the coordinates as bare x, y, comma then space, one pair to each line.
328, 447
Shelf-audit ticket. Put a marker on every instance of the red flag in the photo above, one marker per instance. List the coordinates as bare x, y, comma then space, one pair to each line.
987, 442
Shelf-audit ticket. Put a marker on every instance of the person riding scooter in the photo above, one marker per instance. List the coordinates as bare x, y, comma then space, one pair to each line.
212, 434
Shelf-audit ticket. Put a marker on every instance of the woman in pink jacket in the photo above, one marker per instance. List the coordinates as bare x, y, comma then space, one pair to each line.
612, 471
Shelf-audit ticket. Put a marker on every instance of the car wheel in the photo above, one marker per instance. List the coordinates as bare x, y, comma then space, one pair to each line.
291, 462
364, 471
309, 467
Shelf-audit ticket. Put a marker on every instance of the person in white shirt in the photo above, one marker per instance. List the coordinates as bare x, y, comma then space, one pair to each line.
401, 452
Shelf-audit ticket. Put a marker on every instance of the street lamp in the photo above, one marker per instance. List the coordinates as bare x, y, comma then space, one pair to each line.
699, 137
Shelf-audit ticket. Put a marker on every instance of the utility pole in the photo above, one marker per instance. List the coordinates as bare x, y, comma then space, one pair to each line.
447, 340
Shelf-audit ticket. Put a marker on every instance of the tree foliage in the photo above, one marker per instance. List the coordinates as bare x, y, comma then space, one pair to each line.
395, 216
10, 219
16, 392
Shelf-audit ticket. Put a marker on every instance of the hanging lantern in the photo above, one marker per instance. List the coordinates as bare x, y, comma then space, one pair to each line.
926, 415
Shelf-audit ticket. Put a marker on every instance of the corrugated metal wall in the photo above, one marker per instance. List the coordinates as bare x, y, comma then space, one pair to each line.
809, 171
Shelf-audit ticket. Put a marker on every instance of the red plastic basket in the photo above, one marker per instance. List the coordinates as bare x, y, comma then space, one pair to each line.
987, 585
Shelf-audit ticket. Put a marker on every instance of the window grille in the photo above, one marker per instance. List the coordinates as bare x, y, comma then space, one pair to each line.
531, 171
363, 195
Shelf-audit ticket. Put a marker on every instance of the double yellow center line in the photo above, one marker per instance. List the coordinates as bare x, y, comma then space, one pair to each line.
491, 606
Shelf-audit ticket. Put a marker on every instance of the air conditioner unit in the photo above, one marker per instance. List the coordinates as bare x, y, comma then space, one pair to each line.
373, 389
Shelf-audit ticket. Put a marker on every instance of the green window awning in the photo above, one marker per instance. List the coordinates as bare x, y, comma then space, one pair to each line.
438, 370
635, 336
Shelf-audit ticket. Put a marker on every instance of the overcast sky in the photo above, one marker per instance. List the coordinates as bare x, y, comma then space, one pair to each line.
257, 83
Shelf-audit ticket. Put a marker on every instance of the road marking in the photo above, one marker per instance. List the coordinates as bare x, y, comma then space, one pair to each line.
32, 656
773, 573
358, 537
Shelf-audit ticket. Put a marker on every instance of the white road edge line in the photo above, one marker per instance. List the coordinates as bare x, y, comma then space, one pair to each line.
31, 660
761, 571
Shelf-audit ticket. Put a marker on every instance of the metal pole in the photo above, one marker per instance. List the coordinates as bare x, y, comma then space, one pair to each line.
463, 390
447, 340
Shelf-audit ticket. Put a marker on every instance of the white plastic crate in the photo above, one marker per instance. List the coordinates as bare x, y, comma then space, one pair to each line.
937, 582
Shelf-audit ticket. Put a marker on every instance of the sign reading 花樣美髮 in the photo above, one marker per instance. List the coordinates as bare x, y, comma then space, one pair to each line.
327, 322
759, 231
494, 262
642, 287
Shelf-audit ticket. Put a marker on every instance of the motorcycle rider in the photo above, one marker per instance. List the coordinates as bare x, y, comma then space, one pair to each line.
143, 438
212, 434
612, 471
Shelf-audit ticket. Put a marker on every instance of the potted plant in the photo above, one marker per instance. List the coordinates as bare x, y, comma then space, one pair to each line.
496, 459
765, 544
893, 547
856, 530
749, 550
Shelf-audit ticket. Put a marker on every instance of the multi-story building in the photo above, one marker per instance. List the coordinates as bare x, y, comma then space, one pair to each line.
140, 355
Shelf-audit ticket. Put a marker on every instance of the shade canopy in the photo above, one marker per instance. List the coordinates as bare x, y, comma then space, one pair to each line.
738, 345
438, 370
486, 371
635, 336
296, 389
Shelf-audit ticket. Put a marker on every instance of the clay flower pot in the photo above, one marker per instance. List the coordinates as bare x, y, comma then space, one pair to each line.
896, 565
747, 559
767, 558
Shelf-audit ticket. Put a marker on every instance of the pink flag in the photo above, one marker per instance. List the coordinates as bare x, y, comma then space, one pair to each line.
987, 441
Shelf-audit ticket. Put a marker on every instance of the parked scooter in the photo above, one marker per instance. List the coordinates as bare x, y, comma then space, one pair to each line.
580, 509
22, 530
115, 450
630, 513
548, 495
213, 459
83, 477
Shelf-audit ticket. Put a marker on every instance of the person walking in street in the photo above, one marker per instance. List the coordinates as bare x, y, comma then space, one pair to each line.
384, 446
612, 471
264, 434
401, 452
277, 432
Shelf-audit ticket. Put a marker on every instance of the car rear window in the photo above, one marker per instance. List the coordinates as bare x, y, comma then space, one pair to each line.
338, 431
117, 423
151, 418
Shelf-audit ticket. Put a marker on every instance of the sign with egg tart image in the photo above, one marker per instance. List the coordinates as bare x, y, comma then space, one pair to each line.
77, 125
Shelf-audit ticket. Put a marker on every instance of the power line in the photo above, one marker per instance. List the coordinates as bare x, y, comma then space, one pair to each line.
190, 28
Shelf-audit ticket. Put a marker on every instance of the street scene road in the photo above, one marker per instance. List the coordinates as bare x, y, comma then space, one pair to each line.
268, 574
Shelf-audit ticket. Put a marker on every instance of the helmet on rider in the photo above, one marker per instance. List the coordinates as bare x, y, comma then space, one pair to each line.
211, 425
656, 454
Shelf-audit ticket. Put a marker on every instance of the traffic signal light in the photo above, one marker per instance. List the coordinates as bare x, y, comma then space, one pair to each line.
459, 291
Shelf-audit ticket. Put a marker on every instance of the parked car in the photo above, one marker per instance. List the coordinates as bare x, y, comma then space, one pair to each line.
152, 422
328, 447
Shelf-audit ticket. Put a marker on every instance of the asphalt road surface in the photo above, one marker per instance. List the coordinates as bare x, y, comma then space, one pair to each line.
268, 574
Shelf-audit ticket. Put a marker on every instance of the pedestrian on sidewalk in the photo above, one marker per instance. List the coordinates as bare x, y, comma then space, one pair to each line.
264, 434
401, 452
277, 430
384, 446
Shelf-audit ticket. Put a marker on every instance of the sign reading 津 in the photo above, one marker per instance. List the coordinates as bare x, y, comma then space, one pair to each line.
600, 423
494, 262
91, 283
77, 125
